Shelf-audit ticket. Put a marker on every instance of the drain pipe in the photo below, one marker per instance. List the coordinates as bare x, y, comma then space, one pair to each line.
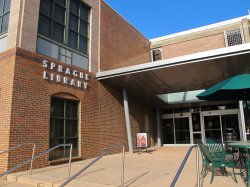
127, 119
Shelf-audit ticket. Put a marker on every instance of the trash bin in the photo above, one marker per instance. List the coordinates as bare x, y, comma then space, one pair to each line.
229, 136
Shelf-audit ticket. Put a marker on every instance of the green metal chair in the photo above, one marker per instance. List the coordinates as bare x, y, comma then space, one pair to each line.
216, 147
205, 162
246, 159
217, 161
248, 171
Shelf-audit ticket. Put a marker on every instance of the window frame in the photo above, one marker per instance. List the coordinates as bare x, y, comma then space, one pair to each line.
2, 14
152, 54
64, 138
65, 42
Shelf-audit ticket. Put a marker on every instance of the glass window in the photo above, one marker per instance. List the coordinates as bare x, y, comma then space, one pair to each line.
74, 7
61, 2
1, 6
83, 45
156, 54
58, 32
84, 29
59, 14
44, 26
46, 7
63, 127
5, 23
66, 21
73, 39
73, 23
4, 15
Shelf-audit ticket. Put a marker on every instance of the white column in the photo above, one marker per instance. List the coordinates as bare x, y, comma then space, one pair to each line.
242, 117
158, 117
127, 119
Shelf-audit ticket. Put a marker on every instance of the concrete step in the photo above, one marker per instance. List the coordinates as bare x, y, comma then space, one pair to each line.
29, 180
13, 184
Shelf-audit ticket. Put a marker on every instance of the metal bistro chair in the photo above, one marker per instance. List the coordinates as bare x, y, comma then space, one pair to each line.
217, 161
215, 146
246, 159
248, 172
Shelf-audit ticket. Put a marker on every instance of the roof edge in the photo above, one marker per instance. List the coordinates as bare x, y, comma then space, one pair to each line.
218, 24
196, 57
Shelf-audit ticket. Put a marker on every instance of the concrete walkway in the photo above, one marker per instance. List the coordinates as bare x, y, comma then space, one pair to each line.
155, 168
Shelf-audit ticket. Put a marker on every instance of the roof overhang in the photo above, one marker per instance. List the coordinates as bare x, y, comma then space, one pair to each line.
185, 73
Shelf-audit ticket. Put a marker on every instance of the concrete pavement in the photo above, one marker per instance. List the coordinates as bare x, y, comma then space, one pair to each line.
155, 168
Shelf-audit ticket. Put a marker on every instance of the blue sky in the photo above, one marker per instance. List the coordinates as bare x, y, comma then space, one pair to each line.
155, 18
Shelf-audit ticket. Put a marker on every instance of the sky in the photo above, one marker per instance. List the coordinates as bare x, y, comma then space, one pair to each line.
156, 18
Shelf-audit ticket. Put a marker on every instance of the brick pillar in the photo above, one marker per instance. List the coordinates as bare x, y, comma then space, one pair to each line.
23, 23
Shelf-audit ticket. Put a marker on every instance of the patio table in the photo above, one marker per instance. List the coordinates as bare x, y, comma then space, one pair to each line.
242, 146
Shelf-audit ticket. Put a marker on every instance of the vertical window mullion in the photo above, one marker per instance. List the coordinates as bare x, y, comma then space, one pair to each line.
64, 126
1, 23
67, 21
79, 22
3, 10
52, 18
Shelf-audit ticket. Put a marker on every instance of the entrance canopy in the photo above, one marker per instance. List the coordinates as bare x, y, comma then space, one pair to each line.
186, 73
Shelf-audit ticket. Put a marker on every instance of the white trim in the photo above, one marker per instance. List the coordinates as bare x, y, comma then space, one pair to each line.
192, 58
211, 26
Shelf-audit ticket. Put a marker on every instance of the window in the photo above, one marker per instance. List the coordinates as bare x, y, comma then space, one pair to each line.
156, 54
234, 37
63, 127
67, 56
65, 21
4, 15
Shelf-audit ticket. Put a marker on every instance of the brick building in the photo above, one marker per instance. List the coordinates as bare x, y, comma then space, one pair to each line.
74, 71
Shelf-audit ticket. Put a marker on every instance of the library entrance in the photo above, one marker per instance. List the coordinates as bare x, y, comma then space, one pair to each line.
192, 126
217, 123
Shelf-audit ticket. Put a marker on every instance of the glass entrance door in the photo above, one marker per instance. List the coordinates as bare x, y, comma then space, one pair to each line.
182, 132
212, 126
168, 131
176, 130
216, 123
231, 121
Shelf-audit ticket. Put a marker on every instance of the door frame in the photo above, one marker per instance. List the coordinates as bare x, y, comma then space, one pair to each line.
220, 113
180, 115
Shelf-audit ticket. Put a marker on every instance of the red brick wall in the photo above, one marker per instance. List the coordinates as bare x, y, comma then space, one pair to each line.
102, 122
7, 63
121, 44
193, 46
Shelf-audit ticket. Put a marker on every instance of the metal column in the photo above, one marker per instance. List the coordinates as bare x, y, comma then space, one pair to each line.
127, 119
242, 117
158, 117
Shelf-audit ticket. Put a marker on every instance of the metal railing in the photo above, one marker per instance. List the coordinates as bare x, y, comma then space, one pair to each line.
20, 145
98, 158
183, 164
37, 156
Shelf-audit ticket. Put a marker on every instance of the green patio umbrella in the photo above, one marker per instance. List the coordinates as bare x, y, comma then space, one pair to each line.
234, 88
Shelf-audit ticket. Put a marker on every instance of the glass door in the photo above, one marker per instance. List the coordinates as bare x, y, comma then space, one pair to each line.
168, 131
197, 131
182, 132
212, 126
217, 123
230, 122
176, 129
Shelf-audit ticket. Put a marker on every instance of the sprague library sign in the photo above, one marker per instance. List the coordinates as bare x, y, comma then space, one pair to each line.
60, 74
